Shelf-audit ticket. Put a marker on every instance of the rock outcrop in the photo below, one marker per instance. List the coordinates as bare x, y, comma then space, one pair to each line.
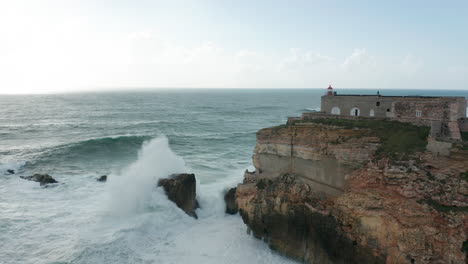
43, 179
231, 203
329, 194
103, 178
181, 189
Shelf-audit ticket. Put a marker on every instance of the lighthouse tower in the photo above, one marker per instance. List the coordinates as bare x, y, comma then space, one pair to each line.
330, 90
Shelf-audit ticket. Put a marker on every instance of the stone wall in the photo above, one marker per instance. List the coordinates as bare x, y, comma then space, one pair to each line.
442, 114
398, 107
381, 106
439, 147
463, 124
441, 109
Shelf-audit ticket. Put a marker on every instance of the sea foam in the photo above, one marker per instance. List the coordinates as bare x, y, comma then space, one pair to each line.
132, 190
14, 165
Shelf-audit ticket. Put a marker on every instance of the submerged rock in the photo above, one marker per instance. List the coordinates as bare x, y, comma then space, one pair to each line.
181, 189
43, 179
103, 178
230, 200
11, 171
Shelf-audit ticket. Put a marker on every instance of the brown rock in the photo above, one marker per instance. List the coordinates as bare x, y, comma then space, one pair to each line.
181, 189
43, 179
230, 200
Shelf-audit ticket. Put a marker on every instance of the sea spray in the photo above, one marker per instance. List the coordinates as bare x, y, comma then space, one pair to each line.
132, 191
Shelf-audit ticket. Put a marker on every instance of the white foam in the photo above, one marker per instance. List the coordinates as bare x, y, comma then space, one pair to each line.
131, 191
314, 109
14, 165
126, 220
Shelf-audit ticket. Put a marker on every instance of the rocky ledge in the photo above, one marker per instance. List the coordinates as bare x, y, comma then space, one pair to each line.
326, 192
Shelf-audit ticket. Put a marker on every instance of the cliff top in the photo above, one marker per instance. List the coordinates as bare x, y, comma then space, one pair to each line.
397, 139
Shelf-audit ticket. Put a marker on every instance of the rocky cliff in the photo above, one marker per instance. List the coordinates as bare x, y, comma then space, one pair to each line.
331, 192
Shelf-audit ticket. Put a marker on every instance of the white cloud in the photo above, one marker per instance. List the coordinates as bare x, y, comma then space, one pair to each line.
64, 52
51, 45
298, 58
359, 60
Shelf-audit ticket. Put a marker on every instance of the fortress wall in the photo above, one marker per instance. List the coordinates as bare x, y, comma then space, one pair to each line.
463, 124
399, 108
446, 109
364, 103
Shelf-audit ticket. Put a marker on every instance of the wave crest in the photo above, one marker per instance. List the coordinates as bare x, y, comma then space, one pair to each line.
100, 150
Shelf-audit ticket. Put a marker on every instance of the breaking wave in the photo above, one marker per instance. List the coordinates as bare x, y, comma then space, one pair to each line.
108, 146
315, 109
132, 190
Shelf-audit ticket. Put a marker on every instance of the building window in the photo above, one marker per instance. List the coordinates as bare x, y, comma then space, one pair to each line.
418, 113
335, 111
371, 113
388, 109
355, 112
377, 104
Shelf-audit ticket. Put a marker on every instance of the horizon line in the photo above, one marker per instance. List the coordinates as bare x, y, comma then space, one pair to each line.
118, 89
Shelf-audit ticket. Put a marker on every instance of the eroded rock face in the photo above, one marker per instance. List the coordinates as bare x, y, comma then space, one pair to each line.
412, 211
181, 189
288, 215
43, 179
230, 200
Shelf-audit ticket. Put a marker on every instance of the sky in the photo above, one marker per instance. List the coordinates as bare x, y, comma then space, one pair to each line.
49, 46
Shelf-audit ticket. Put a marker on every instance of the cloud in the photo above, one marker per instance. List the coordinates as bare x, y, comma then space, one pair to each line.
359, 60
300, 58
71, 55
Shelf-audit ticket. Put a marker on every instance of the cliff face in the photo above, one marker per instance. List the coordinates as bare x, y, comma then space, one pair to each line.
327, 194
317, 154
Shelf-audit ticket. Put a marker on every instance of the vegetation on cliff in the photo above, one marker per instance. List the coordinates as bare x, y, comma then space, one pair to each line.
464, 136
398, 139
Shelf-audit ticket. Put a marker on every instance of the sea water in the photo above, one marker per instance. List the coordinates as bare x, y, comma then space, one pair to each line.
135, 138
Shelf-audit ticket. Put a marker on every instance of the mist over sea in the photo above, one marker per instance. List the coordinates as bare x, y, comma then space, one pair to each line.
136, 138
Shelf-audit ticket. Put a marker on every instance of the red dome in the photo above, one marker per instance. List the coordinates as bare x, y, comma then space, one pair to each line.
330, 88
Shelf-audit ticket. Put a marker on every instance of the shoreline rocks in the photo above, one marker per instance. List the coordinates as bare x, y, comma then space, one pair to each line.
43, 179
230, 200
181, 189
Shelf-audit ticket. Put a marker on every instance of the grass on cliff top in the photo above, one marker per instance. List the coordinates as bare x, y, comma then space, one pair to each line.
464, 175
443, 208
398, 139
464, 136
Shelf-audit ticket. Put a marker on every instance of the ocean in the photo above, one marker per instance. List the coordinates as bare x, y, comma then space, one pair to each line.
136, 138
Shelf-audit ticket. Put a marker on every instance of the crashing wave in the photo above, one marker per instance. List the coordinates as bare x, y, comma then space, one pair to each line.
315, 109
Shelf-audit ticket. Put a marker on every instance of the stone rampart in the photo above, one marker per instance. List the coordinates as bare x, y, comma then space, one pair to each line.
463, 124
